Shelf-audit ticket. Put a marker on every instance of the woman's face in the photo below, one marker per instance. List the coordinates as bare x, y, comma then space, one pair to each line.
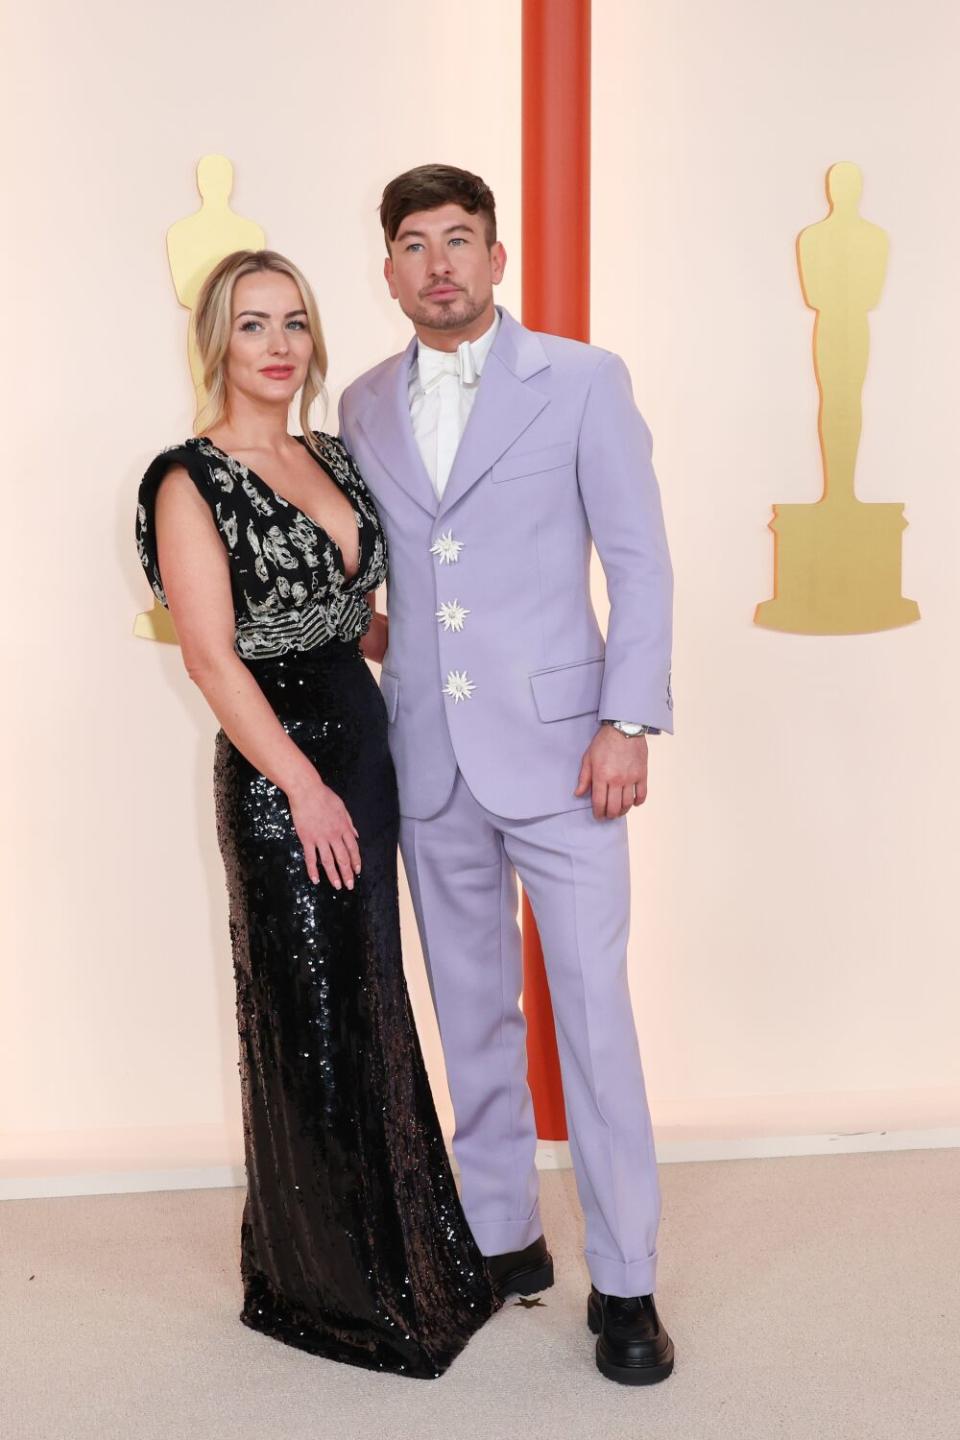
270, 344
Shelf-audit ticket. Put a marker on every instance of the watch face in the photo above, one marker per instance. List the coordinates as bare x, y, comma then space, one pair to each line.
627, 729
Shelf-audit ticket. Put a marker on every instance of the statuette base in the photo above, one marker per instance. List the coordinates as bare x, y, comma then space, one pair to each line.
837, 570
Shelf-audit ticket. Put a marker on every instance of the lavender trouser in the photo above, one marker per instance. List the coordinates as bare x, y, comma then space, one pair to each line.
462, 866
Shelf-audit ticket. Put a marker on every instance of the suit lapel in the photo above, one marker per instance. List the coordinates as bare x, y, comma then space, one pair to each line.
385, 421
505, 406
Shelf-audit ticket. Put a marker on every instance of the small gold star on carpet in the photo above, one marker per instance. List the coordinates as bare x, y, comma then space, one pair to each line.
530, 1304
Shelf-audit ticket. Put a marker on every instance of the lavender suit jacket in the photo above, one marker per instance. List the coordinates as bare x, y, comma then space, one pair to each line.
555, 454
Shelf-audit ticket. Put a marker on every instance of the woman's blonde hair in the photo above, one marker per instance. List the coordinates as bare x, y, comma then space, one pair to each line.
213, 326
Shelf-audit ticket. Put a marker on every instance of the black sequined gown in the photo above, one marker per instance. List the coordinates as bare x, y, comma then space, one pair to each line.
353, 1245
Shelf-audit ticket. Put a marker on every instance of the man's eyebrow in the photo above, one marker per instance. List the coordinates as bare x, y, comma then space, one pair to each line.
420, 234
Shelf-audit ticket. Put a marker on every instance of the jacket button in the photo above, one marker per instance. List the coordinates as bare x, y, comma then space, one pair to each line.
459, 686
452, 614
446, 549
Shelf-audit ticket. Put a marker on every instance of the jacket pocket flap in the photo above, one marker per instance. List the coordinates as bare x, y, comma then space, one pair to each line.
568, 690
390, 690
532, 462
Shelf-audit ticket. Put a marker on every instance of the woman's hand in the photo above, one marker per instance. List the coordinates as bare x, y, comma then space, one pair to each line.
325, 829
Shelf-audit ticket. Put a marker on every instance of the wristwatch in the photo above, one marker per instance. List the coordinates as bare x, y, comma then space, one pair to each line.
632, 731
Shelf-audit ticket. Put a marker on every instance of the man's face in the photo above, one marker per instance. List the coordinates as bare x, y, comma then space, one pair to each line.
441, 270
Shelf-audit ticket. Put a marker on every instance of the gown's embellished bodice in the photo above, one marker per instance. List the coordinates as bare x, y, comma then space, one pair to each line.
290, 588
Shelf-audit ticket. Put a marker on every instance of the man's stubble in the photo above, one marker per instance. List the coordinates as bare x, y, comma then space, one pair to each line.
449, 314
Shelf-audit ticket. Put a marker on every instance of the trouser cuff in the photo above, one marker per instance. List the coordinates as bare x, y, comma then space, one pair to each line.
624, 1278
499, 1237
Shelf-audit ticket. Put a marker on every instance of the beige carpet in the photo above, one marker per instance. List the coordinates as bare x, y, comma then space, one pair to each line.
808, 1298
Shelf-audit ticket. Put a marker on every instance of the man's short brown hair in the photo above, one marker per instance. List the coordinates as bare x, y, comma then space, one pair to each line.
430, 186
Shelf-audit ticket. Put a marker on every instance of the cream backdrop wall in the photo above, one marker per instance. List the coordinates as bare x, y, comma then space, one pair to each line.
794, 958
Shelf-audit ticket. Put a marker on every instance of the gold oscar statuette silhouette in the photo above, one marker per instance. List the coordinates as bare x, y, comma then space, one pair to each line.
194, 246
837, 561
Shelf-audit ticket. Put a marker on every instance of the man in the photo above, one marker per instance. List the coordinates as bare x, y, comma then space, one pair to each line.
496, 455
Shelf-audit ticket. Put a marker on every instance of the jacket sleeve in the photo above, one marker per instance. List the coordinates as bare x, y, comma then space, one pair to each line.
622, 501
342, 420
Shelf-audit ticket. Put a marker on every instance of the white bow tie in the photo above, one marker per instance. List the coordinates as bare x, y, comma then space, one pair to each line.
435, 364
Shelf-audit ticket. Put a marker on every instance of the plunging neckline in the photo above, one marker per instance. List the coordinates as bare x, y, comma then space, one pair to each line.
349, 579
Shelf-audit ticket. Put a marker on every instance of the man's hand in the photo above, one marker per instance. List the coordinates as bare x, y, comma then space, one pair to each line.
615, 768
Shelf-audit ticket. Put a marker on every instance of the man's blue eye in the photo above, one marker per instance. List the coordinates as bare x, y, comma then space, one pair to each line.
415, 246
458, 240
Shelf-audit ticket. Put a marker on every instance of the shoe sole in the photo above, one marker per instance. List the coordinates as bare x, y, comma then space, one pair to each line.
627, 1374
527, 1282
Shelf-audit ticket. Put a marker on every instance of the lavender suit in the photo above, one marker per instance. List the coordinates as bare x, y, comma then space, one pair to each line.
494, 681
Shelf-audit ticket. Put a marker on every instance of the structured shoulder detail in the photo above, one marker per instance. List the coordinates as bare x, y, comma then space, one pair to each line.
328, 444
184, 454
374, 374
576, 353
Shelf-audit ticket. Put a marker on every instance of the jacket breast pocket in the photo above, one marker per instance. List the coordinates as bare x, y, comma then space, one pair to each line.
568, 690
390, 690
517, 464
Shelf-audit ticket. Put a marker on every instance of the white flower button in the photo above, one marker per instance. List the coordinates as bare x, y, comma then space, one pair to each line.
447, 549
458, 687
452, 615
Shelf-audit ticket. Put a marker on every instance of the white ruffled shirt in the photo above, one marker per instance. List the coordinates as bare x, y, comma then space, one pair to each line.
443, 389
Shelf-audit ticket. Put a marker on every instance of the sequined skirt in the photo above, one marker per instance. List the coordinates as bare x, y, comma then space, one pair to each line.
353, 1243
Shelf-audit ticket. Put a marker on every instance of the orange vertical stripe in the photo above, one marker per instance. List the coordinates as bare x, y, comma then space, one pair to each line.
556, 297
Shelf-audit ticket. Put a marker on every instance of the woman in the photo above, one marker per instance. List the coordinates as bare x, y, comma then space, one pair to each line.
267, 549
